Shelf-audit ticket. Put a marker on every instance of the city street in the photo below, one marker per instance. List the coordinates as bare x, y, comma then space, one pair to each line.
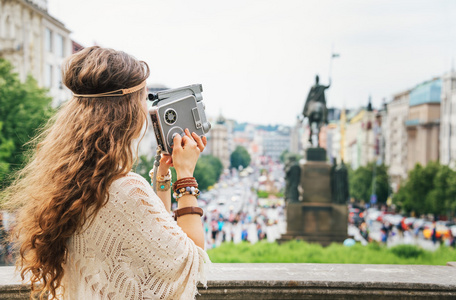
233, 212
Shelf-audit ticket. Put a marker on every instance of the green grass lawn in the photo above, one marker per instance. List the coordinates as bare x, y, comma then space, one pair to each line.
302, 252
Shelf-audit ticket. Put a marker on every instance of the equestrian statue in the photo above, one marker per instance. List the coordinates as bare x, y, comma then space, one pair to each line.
315, 109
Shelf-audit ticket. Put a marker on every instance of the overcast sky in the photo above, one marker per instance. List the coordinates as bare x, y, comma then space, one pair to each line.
257, 59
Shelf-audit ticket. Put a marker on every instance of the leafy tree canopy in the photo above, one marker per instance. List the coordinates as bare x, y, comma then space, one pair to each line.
240, 157
24, 108
430, 189
362, 181
207, 171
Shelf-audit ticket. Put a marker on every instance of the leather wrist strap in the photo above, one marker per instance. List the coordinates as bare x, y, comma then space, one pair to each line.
188, 211
184, 182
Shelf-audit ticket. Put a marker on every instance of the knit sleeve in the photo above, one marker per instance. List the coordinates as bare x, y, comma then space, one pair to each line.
168, 262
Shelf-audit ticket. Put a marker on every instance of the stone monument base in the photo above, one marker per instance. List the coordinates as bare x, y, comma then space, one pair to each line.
316, 218
322, 223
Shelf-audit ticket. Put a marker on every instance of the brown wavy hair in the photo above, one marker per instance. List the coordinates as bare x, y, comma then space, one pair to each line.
81, 151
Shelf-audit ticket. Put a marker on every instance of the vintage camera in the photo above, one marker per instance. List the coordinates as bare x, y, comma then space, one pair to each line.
176, 109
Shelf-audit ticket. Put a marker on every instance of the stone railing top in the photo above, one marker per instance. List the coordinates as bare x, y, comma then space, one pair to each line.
9, 276
329, 275
346, 275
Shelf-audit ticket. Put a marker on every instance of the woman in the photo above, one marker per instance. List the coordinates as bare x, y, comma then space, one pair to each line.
89, 228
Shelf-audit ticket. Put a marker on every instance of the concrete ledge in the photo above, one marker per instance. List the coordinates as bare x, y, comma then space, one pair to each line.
329, 281
305, 281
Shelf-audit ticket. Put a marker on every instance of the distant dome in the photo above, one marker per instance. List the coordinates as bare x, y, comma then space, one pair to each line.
221, 119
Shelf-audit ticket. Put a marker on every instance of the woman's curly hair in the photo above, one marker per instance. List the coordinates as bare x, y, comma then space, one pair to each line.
82, 150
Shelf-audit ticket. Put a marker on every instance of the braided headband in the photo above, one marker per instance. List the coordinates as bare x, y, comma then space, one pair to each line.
115, 93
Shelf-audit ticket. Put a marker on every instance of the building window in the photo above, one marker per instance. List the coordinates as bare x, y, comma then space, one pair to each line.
48, 39
48, 76
9, 28
59, 78
59, 45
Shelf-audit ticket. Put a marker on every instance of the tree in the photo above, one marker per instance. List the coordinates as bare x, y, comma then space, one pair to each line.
240, 157
361, 183
24, 108
143, 166
430, 189
207, 171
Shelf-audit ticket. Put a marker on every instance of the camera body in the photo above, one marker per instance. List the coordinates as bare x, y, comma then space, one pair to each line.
174, 110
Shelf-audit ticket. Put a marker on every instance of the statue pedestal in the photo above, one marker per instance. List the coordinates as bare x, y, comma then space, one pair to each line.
315, 218
316, 222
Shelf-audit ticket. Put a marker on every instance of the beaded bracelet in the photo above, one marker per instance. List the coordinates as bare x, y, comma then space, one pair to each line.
161, 177
189, 190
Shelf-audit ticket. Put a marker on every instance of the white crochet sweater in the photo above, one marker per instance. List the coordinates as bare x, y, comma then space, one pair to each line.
133, 249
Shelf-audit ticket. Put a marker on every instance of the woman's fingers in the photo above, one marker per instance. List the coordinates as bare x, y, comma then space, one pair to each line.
199, 141
166, 159
187, 133
177, 142
188, 142
204, 140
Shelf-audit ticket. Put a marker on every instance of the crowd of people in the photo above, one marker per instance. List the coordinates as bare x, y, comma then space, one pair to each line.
389, 228
6, 247
252, 225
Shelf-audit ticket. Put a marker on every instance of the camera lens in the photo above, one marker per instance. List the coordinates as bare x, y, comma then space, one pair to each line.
152, 97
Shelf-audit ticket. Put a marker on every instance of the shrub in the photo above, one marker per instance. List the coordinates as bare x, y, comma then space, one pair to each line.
407, 251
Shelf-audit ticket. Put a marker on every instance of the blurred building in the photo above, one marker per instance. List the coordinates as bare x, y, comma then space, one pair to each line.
219, 141
360, 138
76, 47
396, 137
334, 114
448, 120
380, 131
423, 123
330, 134
333, 142
276, 142
35, 43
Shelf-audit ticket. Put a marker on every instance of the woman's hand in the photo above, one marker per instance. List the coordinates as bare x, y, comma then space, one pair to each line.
166, 160
186, 151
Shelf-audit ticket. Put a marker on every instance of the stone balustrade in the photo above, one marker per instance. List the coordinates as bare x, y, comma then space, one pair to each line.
306, 281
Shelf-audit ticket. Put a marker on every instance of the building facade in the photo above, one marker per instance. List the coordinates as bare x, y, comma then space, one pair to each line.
35, 43
448, 120
276, 142
360, 138
423, 123
219, 142
396, 137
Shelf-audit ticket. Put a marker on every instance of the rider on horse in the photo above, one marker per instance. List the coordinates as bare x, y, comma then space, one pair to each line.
315, 108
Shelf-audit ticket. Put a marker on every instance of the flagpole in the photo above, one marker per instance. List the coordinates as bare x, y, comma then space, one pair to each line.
333, 55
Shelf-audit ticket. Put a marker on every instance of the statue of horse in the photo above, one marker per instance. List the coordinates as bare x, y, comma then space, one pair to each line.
315, 108
316, 120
